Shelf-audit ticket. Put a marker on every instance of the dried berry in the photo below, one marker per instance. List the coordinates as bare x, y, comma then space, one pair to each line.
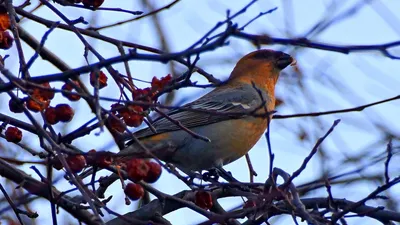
115, 124
203, 199
64, 112
51, 116
100, 159
37, 104
70, 88
13, 134
56, 163
76, 163
154, 172
133, 116
6, 40
102, 79
249, 204
16, 107
134, 191
156, 84
137, 169
93, 3
47, 93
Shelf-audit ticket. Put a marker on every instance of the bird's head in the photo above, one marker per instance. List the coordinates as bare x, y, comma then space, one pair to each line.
261, 67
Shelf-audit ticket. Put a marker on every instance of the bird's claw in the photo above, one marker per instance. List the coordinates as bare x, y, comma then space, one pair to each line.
211, 175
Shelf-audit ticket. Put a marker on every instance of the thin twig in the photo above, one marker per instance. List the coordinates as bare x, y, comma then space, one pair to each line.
312, 153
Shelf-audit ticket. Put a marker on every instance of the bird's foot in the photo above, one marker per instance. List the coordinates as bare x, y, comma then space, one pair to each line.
193, 175
211, 175
228, 177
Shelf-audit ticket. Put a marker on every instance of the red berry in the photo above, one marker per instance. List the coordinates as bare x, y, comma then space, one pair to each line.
46, 94
64, 112
133, 120
135, 109
13, 134
97, 3
100, 159
104, 161
94, 3
57, 164
16, 107
70, 88
4, 20
116, 124
51, 116
91, 157
154, 172
143, 94
137, 169
249, 204
156, 84
133, 116
165, 80
203, 199
117, 107
37, 104
76, 163
6, 40
146, 91
101, 77
134, 191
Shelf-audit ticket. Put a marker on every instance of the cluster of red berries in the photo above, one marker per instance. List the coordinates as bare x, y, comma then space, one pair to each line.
40, 98
157, 84
6, 40
133, 115
60, 113
100, 77
77, 162
42, 94
149, 94
139, 169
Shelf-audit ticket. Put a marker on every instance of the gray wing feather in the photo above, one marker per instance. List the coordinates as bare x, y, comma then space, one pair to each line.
220, 104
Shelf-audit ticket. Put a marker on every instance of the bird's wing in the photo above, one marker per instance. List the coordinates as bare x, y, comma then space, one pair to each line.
220, 104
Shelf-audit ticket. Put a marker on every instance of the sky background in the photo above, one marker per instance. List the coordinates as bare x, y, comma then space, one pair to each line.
323, 81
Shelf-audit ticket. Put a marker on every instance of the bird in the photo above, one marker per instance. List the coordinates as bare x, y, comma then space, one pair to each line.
221, 126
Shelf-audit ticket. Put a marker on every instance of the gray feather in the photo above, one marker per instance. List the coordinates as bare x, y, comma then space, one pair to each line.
218, 105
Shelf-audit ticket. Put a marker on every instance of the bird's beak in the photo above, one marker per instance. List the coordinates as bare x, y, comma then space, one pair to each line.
284, 60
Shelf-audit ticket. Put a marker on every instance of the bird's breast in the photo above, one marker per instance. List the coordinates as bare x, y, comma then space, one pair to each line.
230, 139
243, 134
